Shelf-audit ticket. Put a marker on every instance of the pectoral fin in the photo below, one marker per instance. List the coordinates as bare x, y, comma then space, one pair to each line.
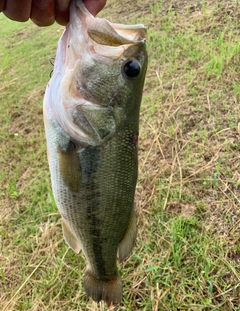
70, 238
70, 168
128, 241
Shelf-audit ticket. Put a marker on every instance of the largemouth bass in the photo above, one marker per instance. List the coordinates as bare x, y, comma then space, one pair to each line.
91, 116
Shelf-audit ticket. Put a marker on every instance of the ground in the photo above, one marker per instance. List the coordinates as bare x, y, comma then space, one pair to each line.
188, 249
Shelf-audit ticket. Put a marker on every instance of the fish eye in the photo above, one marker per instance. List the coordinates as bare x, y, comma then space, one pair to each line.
131, 68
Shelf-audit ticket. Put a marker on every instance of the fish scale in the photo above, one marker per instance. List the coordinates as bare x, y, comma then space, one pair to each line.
109, 176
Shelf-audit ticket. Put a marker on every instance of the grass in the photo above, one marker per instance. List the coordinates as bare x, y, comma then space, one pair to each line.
187, 254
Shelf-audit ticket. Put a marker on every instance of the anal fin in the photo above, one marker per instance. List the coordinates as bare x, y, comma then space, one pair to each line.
126, 245
70, 238
70, 167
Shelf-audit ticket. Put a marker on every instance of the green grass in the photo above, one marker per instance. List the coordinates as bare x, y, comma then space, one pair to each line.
188, 192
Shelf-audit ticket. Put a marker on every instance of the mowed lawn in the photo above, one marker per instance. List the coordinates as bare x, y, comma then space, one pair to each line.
187, 255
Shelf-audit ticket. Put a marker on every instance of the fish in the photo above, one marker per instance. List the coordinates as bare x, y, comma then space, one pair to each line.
91, 118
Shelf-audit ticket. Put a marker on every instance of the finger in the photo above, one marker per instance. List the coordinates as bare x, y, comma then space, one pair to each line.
94, 6
43, 12
62, 17
62, 11
17, 10
2, 3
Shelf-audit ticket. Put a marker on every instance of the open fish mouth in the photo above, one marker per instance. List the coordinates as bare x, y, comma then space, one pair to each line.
100, 37
106, 33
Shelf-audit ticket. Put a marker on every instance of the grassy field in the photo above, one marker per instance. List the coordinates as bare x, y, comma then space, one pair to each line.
187, 255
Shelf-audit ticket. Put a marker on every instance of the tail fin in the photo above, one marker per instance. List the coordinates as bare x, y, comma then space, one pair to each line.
108, 291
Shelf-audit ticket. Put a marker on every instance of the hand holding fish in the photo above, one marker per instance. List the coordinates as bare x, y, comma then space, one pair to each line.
45, 13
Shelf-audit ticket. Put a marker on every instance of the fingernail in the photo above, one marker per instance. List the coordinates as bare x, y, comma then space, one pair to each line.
62, 5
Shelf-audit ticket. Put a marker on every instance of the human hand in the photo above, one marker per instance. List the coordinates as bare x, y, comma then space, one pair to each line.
44, 12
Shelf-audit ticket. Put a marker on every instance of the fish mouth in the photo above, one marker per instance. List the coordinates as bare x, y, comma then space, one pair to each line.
101, 33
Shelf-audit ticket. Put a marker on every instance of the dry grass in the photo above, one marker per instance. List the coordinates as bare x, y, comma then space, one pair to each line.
187, 255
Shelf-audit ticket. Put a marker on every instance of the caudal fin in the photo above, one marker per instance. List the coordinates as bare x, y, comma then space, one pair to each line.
108, 291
